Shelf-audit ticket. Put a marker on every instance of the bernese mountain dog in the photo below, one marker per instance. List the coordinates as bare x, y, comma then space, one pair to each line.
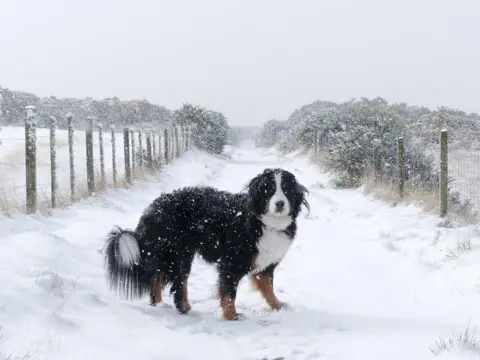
246, 233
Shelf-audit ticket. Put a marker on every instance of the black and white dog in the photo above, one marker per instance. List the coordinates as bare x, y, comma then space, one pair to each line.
242, 234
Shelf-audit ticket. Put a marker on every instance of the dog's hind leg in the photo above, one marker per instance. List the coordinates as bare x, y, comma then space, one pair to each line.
157, 287
180, 284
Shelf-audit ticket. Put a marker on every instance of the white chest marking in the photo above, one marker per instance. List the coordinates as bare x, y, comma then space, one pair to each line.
272, 247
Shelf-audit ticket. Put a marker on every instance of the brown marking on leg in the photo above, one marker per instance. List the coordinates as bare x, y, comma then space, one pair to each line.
229, 311
157, 287
263, 284
186, 303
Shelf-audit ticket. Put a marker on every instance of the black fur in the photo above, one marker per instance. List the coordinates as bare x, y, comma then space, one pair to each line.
222, 227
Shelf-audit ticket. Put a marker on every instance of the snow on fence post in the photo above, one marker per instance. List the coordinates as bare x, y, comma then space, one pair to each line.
443, 184
69, 117
102, 155
114, 159
126, 149
401, 166
166, 146
149, 150
89, 154
53, 161
132, 140
31, 159
140, 149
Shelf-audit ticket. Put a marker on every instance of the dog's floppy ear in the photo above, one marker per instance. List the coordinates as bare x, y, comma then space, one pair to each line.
302, 190
253, 185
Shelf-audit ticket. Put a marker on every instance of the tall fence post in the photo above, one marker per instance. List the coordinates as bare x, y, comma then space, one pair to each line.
126, 149
149, 150
166, 146
31, 158
159, 148
71, 141
401, 165
114, 158
443, 184
182, 139
89, 154
132, 140
53, 161
140, 149
102, 155
177, 142
154, 145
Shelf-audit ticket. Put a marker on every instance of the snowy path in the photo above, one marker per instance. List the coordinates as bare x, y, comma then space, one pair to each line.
363, 280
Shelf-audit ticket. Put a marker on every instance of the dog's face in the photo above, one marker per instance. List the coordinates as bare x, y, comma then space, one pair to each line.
276, 197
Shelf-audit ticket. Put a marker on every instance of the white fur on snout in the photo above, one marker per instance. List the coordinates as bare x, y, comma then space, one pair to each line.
278, 196
272, 218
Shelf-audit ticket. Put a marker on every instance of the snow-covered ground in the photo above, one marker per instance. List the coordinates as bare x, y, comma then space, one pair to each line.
363, 280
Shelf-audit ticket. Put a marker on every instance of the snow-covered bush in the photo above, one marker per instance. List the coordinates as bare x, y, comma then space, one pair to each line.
211, 131
270, 133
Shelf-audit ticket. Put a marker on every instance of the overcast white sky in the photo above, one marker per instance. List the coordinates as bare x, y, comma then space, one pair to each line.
251, 59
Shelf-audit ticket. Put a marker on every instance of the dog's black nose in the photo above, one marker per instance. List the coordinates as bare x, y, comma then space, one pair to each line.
279, 205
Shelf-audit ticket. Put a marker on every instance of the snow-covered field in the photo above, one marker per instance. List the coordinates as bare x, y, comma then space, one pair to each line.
12, 159
363, 280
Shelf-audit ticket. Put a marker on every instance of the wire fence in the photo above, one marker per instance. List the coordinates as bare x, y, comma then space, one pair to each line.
48, 168
456, 193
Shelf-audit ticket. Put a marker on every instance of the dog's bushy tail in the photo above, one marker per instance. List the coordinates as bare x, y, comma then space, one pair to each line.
123, 261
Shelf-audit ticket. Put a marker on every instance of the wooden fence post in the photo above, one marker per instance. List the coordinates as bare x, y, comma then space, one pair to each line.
177, 142
401, 166
140, 150
149, 151
114, 156
160, 155
126, 149
132, 140
53, 161
154, 145
31, 159
71, 141
166, 146
89, 154
102, 156
443, 184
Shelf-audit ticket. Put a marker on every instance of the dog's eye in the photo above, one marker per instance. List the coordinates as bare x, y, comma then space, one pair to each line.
267, 187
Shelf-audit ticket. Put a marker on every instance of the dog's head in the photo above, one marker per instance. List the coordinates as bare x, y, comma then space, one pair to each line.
276, 197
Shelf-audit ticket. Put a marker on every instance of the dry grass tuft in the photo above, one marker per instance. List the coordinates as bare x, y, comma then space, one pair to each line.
463, 341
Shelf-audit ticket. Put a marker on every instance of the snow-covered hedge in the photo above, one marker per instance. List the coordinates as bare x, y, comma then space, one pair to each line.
358, 138
211, 131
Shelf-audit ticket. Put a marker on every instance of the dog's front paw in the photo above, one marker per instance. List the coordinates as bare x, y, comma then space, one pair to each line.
281, 306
